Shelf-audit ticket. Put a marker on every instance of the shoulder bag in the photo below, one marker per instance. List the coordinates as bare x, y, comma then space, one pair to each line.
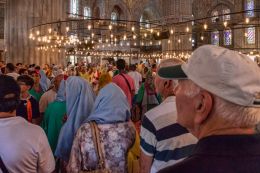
100, 153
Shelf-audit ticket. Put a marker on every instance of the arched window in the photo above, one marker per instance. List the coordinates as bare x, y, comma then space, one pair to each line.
74, 8
251, 35
114, 16
250, 5
144, 23
221, 12
227, 12
87, 13
214, 15
227, 37
215, 38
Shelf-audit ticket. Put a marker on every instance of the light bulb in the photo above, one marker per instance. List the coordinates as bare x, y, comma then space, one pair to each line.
225, 23
31, 36
247, 20
205, 26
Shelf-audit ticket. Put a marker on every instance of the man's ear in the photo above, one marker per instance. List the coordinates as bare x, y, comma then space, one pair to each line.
167, 83
203, 107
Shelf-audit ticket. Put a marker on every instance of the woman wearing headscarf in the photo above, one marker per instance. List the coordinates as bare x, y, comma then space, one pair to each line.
45, 82
53, 117
147, 96
111, 113
79, 103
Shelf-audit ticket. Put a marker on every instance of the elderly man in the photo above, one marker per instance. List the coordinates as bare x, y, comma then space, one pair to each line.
163, 141
218, 100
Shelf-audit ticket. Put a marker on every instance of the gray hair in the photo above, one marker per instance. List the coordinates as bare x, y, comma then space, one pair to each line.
239, 116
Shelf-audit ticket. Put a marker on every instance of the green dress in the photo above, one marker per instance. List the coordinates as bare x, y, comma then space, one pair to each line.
36, 95
53, 121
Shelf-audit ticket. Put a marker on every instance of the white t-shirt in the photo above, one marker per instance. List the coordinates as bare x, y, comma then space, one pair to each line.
14, 75
46, 99
24, 147
137, 79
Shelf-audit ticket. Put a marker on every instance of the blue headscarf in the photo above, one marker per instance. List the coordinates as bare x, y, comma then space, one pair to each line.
111, 106
61, 92
79, 103
45, 82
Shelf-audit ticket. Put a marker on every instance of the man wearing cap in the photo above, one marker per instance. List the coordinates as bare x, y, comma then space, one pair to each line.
163, 141
218, 100
24, 146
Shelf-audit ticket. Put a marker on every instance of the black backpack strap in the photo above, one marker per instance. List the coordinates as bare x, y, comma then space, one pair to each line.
2, 166
126, 82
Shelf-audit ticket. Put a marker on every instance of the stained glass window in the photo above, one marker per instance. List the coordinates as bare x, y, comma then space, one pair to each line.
215, 38
87, 12
74, 8
214, 16
226, 17
250, 5
251, 35
227, 37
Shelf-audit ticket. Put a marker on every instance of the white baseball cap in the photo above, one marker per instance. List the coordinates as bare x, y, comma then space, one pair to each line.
223, 72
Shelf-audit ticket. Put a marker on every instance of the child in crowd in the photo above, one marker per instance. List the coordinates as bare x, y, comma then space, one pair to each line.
28, 107
36, 90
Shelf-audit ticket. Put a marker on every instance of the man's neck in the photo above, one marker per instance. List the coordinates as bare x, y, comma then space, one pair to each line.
121, 71
166, 95
221, 127
7, 114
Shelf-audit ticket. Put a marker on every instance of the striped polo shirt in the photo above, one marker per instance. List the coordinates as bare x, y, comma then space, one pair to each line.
163, 138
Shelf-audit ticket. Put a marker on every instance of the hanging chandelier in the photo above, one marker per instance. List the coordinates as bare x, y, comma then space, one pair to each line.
87, 34
107, 37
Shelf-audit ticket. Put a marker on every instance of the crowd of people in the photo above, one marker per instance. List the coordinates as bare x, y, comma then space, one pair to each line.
172, 116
